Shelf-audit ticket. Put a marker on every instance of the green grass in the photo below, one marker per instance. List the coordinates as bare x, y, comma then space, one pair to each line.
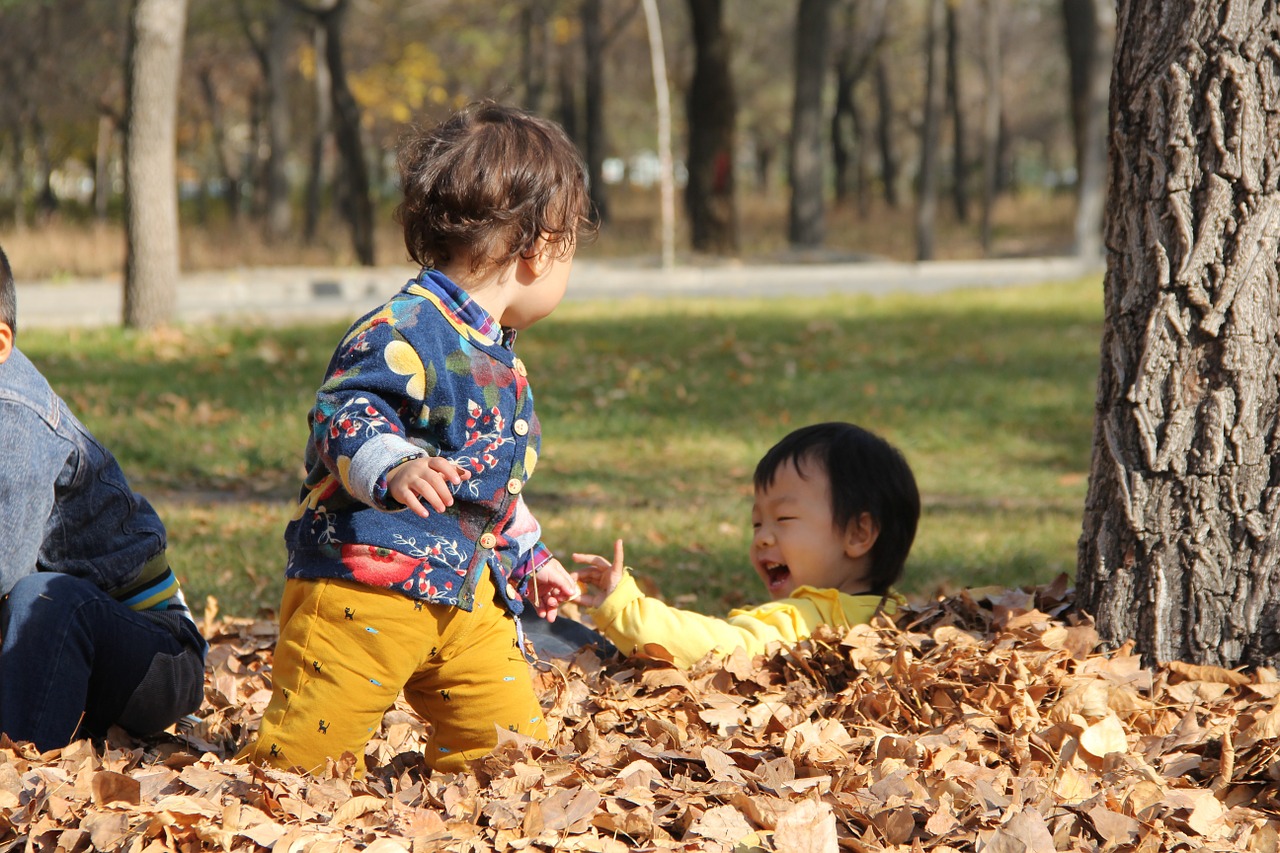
654, 413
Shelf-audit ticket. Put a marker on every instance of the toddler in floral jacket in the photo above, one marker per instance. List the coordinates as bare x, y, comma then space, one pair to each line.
411, 552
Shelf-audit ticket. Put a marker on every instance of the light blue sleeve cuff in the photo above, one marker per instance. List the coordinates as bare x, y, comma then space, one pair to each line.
374, 458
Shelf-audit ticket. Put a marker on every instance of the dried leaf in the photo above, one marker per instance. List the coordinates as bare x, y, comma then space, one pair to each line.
807, 827
1104, 737
109, 787
356, 807
722, 823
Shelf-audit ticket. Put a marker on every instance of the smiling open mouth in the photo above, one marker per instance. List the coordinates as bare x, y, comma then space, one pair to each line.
777, 575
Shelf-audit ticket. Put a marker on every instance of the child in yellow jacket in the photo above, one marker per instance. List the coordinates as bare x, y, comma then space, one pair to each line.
835, 514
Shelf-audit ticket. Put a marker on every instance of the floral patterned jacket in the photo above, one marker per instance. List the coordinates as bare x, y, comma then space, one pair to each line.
428, 373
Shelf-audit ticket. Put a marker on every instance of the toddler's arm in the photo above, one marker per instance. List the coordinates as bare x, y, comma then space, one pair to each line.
648, 627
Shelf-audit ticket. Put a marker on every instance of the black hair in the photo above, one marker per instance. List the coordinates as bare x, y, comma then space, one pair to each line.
489, 182
8, 295
867, 475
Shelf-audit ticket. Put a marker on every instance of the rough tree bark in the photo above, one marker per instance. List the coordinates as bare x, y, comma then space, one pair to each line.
806, 217
1182, 521
153, 61
711, 110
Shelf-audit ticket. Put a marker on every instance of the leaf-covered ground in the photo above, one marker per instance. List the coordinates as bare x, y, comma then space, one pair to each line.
986, 721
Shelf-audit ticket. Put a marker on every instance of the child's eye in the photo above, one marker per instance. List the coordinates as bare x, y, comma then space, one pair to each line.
786, 518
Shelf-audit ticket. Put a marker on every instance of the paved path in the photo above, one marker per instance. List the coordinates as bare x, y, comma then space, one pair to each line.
333, 293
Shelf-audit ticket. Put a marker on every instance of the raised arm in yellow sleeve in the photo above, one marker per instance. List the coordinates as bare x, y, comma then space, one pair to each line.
638, 624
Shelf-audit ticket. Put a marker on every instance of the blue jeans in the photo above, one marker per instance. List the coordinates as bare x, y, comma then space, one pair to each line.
75, 661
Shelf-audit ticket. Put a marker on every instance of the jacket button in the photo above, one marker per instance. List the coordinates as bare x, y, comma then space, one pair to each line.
520, 369
521, 426
487, 541
511, 591
514, 485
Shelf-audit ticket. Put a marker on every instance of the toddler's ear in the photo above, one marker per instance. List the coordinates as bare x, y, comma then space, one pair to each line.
539, 257
6, 342
861, 536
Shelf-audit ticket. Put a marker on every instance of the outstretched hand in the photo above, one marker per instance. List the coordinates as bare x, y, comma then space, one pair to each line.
600, 575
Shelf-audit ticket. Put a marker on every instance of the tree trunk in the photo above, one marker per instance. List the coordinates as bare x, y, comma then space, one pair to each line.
1182, 521
46, 199
860, 181
889, 168
593, 112
844, 137
806, 216
927, 204
346, 115
152, 66
320, 127
279, 204
955, 107
221, 148
711, 110
992, 120
18, 171
662, 98
567, 96
534, 50
1090, 32
102, 167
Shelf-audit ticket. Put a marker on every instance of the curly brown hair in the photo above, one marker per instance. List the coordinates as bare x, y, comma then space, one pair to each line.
486, 184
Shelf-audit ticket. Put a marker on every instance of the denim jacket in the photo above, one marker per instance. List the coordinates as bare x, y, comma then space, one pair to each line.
427, 374
65, 506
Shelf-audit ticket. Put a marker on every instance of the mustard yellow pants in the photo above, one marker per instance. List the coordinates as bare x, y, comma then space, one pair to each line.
345, 652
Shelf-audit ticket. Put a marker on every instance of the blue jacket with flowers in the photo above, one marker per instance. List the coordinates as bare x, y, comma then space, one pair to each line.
428, 373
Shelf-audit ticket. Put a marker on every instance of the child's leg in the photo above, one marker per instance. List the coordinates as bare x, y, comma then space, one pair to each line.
344, 652
478, 679
73, 658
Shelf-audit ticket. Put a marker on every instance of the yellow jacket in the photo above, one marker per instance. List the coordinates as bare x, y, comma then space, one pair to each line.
644, 626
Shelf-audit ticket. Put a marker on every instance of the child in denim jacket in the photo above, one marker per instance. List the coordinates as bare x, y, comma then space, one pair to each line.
95, 629
411, 552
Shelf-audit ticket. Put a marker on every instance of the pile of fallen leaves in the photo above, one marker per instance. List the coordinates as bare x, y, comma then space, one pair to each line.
986, 721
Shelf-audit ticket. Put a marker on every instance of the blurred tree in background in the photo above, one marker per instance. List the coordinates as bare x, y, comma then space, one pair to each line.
289, 110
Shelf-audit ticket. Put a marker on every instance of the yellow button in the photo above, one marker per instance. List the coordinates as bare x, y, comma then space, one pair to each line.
519, 368
488, 540
514, 485
511, 591
521, 426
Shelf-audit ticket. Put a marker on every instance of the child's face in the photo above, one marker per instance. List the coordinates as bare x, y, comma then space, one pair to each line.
796, 540
538, 298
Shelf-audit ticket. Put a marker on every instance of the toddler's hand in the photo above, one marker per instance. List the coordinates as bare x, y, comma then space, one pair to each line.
551, 586
601, 575
427, 477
